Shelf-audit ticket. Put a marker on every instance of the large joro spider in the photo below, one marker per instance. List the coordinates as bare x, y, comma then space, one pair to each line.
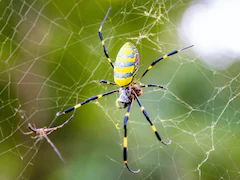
125, 69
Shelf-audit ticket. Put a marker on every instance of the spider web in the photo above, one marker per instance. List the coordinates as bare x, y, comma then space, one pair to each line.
51, 57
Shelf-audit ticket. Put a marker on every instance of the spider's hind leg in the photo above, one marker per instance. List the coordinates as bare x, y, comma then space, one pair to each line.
153, 85
107, 82
102, 40
125, 138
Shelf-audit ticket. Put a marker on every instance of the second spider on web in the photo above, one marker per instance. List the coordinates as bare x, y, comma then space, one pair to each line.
41, 133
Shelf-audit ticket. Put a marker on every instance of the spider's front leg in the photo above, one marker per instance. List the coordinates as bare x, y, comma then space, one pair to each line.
150, 122
125, 138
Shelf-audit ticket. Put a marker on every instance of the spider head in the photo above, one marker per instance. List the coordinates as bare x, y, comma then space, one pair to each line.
125, 94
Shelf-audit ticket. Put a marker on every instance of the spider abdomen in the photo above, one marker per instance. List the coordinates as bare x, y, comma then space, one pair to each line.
126, 65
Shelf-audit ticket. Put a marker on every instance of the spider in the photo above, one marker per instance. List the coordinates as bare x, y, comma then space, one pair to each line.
44, 132
125, 69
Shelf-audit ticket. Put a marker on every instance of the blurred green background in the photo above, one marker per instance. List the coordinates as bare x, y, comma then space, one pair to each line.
51, 57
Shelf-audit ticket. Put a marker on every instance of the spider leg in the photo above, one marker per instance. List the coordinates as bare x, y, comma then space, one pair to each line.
125, 139
53, 146
147, 117
85, 102
33, 129
25, 133
152, 85
50, 130
107, 82
120, 107
161, 58
102, 40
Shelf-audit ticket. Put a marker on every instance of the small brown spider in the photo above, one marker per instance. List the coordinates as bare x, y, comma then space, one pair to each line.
44, 132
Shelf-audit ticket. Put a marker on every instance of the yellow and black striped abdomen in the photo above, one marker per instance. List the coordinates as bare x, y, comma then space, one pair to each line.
126, 65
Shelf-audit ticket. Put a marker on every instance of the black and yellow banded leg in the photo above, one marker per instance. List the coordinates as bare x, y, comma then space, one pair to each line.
102, 40
161, 58
107, 82
85, 102
125, 139
150, 122
152, 85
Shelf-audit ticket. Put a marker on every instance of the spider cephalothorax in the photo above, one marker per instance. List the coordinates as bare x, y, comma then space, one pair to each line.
125, 69
127, 95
